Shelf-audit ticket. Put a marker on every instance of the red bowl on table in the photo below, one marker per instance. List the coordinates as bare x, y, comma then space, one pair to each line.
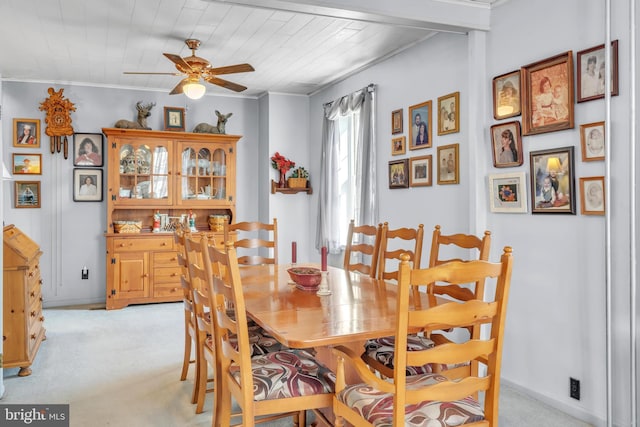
305, 278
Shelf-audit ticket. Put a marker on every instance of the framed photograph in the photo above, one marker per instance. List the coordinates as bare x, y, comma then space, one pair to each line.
27, 164
592, 141
592, 201
420, 129
420, 168
174, 118
547, 88
448, 164
506, 144
449, 113
591, 65
552, 181
506, 95
508, 192
396, 121
87, 185
27, 194
398, 146
26, 133
399, 173
88, 149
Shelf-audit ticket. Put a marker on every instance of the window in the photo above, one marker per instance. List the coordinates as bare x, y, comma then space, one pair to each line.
346, 130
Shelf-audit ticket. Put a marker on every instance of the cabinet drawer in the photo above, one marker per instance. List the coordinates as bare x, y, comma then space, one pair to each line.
167, 275
143, 244
167, 290
165, 259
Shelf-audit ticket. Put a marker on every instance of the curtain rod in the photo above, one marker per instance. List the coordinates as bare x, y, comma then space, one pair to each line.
370, 88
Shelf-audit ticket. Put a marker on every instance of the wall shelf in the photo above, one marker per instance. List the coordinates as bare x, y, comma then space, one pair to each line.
275, 189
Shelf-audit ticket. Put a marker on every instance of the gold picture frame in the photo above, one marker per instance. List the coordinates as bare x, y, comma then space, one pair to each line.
592, 200
26, 133
420, 115
448, 164
396, 122
420, 171
398, 146
506, 95
449, 113
26, 164
27, 194
547, 88
592, 140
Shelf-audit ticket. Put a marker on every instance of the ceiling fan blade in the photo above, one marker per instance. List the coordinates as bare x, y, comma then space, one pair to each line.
151, 73
238, 68
225, 83
179, 87
181, 63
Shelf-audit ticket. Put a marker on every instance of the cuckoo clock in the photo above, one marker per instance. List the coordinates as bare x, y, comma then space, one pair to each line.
58, 120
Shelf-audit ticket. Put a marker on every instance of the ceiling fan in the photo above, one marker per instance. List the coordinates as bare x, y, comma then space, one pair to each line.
196, 68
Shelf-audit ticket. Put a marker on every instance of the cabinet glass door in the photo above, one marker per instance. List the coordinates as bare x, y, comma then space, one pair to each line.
203, 171
144, 172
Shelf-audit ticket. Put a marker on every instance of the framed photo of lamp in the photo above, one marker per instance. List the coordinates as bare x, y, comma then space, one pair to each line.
592, 141
506, 144
396, 121
448, 164
174, 118
27, 194
449, 113
506, 95
420, 127
420, 168
399, 173
552, 181
592, 201
591, 64
547, 89
508, 192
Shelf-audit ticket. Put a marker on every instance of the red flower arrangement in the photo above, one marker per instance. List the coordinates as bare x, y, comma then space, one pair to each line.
281, 163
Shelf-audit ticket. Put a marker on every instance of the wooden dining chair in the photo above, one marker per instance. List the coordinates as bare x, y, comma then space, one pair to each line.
379, 352
190, 327
278, 384
394, 243
362, 249
257, 242
424, 399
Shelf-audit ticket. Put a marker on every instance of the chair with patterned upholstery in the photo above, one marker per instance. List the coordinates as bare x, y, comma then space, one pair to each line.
379, 353
255, 241
394, 243
363, 244
433, 398
283, 383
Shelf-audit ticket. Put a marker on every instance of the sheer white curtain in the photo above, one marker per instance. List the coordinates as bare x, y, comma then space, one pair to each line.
365, 209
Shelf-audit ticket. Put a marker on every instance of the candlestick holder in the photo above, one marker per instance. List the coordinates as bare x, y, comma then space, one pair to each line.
324, 285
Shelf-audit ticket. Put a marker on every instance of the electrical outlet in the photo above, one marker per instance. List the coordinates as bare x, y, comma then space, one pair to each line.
574, 388
85, 273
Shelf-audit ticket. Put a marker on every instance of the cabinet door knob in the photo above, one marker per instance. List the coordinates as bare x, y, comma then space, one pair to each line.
33, 336
42, 318
32, 294
33, 314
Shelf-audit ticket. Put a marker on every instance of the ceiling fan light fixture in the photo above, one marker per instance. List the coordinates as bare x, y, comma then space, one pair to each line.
194, 90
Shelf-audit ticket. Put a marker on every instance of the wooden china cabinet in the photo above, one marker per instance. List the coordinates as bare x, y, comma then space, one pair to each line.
167, 175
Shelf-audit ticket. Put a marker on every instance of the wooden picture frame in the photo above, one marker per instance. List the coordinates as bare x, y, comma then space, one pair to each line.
552, 181
27, 164
420, 171
592, 199
506, 145
590, 73
398, 146
506, 95
174, 119
88, 149
592, 140
87, 185
399, 173
26, 133
27, 194
420, 114
508, 192
396, 122
547, 89
448, 164
449, 113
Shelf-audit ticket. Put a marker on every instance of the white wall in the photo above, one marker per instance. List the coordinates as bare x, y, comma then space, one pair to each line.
71, 233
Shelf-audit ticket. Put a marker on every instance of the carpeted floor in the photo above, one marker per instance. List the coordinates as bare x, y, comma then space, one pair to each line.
122, 368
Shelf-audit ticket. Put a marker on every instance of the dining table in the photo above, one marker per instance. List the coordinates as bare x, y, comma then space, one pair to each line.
358, 308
